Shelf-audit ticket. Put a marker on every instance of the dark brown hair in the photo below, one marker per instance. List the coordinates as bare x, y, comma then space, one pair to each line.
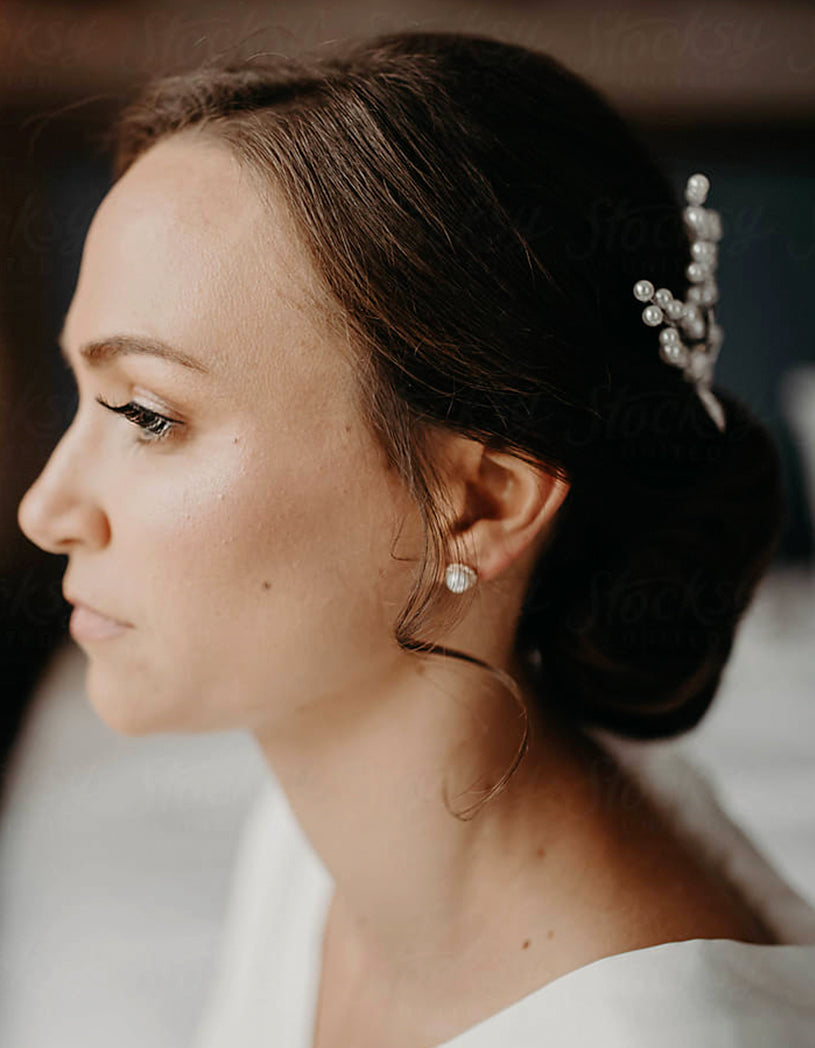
480, 214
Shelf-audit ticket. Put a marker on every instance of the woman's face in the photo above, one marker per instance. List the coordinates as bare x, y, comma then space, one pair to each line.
249, 547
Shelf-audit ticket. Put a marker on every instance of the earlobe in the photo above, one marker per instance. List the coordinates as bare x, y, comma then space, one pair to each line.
511, 507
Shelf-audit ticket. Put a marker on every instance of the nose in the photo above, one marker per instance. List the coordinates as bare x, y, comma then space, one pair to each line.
59, 511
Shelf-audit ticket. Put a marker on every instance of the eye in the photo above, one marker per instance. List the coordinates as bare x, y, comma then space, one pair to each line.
156, 427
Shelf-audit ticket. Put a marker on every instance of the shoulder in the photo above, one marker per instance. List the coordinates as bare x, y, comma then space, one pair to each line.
709, 993
705, 993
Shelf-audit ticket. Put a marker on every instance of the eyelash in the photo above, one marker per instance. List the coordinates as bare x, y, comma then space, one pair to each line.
158, 427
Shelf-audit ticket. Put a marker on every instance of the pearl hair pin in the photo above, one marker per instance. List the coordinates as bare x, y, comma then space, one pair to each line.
692, 338
459, 577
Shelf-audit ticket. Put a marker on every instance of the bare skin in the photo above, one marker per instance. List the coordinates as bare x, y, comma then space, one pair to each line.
637, 884
251, 553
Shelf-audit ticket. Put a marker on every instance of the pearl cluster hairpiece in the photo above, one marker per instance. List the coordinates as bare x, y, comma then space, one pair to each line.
696, 348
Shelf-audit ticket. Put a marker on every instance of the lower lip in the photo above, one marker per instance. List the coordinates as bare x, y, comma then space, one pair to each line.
87, 625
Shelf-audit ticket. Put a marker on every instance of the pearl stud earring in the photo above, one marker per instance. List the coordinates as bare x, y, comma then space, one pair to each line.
459, 577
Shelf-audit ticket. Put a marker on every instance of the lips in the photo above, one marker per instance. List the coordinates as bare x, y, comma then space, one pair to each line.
96, 611
86, 625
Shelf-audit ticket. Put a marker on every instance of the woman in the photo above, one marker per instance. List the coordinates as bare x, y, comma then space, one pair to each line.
404, 487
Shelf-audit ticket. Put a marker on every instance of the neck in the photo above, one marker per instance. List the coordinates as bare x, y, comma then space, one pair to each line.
366, 780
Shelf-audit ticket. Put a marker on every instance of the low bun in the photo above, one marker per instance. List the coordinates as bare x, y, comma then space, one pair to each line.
635, 603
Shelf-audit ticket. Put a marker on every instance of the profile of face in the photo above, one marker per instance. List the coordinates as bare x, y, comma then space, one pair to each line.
248, 544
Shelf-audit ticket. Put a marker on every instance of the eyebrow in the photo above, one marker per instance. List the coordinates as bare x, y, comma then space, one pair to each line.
99, 352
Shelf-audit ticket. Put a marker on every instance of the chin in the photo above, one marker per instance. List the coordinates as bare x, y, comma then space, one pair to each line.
125, 709
131, 722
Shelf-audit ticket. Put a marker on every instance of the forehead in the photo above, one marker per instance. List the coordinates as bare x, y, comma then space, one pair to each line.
186, 248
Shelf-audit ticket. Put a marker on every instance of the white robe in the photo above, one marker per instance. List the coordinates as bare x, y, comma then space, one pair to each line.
697, 993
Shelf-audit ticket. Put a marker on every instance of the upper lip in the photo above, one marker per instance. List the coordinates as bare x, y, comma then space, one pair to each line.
83, 603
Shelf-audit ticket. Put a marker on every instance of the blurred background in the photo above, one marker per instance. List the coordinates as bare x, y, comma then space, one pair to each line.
723, 88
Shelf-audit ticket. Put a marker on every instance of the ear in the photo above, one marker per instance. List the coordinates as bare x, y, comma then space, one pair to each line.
503, 507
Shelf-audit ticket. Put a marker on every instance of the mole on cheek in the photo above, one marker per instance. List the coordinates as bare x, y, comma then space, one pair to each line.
526, 944
266, 585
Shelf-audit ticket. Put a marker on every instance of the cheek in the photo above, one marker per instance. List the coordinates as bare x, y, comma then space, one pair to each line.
253, 565
260, 586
